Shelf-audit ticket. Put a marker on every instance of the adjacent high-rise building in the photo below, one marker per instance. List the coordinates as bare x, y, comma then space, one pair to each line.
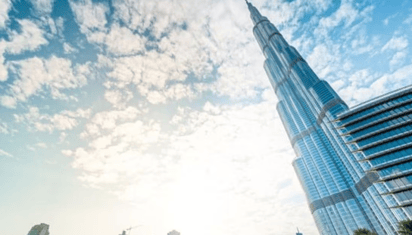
379, 133
352, 163
40, 229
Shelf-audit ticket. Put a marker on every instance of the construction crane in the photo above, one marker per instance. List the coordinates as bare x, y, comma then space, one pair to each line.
128, 230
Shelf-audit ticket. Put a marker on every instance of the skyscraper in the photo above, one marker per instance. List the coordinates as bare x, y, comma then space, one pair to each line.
40, 229
342, 196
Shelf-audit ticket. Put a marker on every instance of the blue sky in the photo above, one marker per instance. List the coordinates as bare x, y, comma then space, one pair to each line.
159, 113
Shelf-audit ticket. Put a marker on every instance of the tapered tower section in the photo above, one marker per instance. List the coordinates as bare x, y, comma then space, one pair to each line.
341, 196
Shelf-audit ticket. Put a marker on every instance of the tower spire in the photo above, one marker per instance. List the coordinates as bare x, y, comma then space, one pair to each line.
254, 13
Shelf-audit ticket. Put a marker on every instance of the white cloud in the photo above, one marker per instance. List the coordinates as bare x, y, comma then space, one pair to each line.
365, 86
150, 73
65, 120
3, 68
155, 97
139, 15
398, 59
62, 137
8, 101
396, 43
108, 120
30, 38
408, 20
387, 19
4, 153
36, 75
4, 129
91, 18
43, 6
79, 113
37, 146
5, 6
113, 151
182, 52
323, 60
122, 41
68, 49
179, 91
41, 145
346, 14
361, 44
118, 98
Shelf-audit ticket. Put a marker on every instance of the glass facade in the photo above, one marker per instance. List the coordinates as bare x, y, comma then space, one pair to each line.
379, 133
341, 186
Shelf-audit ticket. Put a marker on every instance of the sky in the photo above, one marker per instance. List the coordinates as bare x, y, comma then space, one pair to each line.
158, 113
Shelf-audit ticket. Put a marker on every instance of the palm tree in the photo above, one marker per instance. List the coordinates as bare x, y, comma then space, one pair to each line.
363, 231
405, 227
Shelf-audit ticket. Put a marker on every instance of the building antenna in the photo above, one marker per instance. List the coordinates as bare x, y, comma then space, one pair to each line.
297, 229
128, 230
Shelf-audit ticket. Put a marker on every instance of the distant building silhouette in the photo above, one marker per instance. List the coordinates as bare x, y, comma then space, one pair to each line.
40, 229
174, 232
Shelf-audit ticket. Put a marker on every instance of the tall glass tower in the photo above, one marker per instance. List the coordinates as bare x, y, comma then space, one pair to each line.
342, 196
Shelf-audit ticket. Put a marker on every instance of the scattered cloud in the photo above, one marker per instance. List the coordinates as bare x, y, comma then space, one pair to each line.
108, 120
29, 38
62, 137
345, 15
3, 69
365, 85
40, 145
408, 19
396, 43
65, 120
398, 59
4, 129
91, 18
37, 75
43, 6
118, 98
5, 6
387, 19
4, 153
122, 41
323, 60
68, 49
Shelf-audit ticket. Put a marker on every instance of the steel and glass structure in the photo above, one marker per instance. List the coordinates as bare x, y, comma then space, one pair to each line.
379, 132
342, 192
